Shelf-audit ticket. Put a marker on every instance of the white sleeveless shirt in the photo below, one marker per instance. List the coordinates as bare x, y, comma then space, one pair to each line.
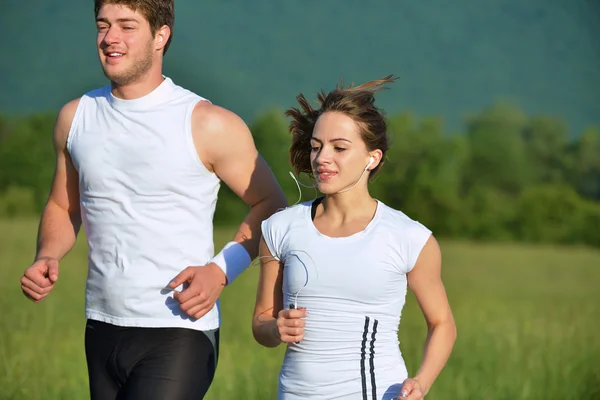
147, 204
354, 289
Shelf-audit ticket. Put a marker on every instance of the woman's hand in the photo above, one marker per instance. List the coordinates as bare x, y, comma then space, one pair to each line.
411, 390
290, 326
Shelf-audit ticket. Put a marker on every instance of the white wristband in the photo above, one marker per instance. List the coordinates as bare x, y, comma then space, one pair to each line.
232, 260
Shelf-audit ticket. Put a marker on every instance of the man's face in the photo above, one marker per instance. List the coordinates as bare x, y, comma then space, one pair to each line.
126, 46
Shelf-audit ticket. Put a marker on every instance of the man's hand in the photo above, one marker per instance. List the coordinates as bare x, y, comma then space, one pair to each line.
205, 286
38, 280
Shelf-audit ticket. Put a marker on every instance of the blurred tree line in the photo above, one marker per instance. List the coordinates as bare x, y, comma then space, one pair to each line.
507, 177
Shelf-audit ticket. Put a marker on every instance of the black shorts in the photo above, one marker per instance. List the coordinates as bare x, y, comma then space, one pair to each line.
149, 363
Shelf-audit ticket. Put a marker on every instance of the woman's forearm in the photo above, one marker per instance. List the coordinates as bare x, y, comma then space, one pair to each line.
438, 346
265, 331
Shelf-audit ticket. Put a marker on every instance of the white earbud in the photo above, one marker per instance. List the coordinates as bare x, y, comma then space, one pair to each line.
371, 161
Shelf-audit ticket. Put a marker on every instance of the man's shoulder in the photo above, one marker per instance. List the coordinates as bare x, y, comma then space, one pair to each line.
97, 92
66, 115
69, 108
209, 117
219, 134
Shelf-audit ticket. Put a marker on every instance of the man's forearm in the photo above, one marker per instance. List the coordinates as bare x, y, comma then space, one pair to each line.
57, 232
248, 233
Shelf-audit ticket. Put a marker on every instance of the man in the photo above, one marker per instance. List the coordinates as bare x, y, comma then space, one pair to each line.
139, 162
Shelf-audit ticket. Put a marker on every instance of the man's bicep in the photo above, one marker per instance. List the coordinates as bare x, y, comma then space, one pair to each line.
65, 184
238, 164
251, 179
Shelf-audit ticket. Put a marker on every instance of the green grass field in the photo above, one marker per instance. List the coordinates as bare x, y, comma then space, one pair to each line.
528, 326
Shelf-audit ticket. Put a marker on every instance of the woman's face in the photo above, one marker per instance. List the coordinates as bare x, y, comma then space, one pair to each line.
338, 153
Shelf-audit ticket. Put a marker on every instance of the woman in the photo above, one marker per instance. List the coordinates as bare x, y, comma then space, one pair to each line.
335, 270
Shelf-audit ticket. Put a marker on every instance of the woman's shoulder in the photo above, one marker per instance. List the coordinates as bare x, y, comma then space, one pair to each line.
278, 226
408, 236
287, 215
399, 221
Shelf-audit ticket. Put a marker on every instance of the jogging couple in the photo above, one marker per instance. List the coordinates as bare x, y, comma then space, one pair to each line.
140, 162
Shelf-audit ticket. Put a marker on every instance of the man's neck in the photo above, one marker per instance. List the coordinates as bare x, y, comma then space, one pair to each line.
137, 89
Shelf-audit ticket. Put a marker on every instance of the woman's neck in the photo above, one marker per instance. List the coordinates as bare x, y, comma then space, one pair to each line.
345, 207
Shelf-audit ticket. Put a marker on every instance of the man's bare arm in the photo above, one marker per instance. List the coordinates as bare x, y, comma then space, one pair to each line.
61, 217
225, 146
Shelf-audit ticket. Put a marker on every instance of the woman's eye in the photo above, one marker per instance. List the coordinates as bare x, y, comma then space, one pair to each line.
339, 149
314, 149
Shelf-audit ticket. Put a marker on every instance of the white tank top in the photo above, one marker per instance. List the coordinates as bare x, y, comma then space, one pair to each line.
147, 204
354, 289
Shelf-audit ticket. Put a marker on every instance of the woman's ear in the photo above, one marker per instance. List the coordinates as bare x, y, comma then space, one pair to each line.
375, 159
